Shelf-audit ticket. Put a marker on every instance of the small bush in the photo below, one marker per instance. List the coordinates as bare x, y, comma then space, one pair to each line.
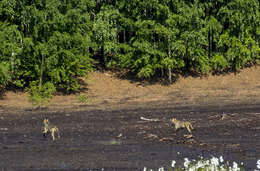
4, 76
82, 98
41, 95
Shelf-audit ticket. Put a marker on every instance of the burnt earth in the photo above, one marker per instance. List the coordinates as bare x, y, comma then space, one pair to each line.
117, 139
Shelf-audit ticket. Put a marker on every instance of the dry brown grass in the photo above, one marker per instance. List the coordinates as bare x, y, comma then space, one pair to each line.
107, 89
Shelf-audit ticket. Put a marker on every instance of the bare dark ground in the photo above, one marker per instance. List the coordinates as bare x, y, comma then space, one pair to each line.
107, 132
118, 139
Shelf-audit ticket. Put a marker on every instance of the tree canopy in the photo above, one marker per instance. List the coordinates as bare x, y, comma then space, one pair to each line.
48, 43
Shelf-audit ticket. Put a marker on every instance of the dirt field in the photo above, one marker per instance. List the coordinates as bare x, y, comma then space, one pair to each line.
107, 132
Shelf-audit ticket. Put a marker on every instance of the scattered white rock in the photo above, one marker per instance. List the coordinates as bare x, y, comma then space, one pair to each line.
3, 129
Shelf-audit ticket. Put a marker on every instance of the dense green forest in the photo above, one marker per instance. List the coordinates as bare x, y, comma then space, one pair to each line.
46, 45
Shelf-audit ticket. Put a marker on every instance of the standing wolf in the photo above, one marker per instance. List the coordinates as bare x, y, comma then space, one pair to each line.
48, 127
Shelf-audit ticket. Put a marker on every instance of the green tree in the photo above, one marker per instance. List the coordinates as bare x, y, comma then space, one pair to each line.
105, 32
46, 41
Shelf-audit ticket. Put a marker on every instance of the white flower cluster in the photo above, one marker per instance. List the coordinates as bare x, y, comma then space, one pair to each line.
213, 164
258, 164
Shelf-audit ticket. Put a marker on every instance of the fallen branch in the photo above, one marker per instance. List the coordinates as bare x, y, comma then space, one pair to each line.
166, 139
150, 120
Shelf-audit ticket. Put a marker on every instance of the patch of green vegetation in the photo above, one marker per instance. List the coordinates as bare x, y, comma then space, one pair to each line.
82, 98
40, 95
114, 142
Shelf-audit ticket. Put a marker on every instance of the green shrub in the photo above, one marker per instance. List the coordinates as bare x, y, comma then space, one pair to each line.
82, 98
218, 62
4, 76
41, 95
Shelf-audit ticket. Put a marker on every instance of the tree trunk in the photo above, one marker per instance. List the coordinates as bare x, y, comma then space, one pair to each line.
170, 75
162, 72
41, 72
209, 43
186, 58
124, 36
102, 58
169, 55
